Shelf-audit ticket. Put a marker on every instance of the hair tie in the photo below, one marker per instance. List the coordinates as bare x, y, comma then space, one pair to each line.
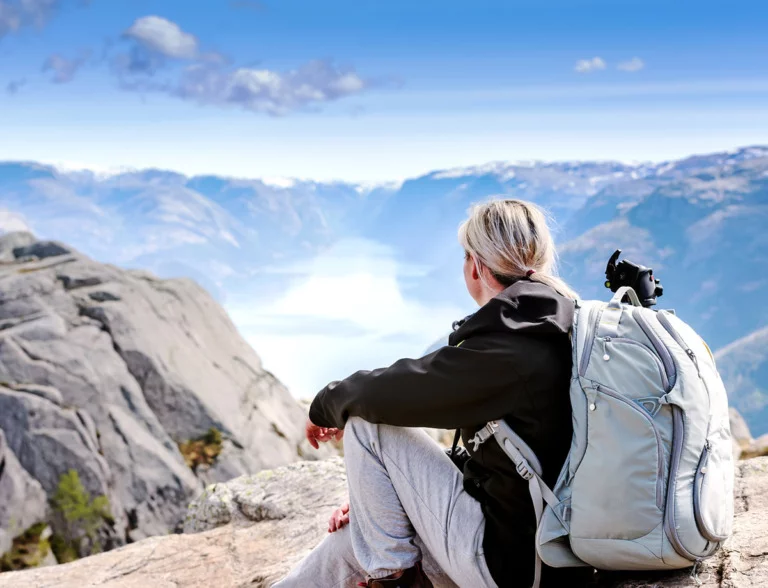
529, 273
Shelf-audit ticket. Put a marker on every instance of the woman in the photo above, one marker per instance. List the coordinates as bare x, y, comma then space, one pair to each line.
511, 360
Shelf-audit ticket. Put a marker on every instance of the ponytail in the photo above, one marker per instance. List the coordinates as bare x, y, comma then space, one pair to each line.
512, 239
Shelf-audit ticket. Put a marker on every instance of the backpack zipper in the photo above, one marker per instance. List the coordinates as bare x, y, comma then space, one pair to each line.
589, 341
698, 487
679, 340
670, 523
658, 345
678, 422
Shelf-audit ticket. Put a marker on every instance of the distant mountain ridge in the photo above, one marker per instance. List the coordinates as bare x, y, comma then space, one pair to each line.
700, 222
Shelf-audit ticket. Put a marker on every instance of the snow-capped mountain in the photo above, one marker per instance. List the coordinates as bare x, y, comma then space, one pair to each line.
699, 222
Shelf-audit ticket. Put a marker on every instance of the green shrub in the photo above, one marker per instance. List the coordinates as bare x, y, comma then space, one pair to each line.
82, 516
202, 451
64, 551
28, 550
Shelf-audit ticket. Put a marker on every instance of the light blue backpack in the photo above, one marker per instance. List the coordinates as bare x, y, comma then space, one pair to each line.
648, 483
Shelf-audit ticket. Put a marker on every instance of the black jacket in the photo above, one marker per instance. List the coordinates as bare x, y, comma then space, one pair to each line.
513, 362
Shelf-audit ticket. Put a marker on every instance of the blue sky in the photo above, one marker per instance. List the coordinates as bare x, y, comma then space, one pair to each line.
373, 91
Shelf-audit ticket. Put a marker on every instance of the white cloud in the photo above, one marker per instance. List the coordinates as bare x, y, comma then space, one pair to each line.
264, 90
209, 78
589, 65
15, 14
163, 36
63, 69
11, 221
357, 281
348, 313
634, 64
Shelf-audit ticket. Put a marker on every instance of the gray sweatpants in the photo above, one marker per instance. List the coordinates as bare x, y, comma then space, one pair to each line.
407, 504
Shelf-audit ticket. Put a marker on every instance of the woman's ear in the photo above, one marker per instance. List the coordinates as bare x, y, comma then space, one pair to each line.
477, 269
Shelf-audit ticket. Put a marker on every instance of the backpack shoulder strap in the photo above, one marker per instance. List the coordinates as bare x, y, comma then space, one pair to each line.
529, 468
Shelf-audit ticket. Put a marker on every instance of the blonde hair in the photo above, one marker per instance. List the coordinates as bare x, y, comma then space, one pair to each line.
512, 239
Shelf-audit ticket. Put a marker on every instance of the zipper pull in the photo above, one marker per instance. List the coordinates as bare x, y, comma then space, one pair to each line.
695, 572
606, 356
689, 352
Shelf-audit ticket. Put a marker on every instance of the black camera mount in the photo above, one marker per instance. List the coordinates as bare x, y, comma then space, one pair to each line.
638, 277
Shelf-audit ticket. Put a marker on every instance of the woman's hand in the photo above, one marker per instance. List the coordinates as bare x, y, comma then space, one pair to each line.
317, 435
339, 518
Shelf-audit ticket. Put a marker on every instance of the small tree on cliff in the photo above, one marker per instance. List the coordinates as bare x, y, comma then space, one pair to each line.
82, 516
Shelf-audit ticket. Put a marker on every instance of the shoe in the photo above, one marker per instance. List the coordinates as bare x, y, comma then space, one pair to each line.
411, 578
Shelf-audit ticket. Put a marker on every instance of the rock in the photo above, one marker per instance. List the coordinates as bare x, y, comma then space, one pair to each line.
40, 250
739, 428
757, 448
48, 392
271, 520
11, 241
105, 371
50, 440
24, 501
740, 434
291, 491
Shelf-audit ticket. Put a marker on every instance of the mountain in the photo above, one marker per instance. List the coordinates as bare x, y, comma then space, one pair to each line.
743, 366
699, 222
141, 386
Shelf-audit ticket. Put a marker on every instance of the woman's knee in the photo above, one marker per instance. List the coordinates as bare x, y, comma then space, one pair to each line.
356, 422
361, 428
360, 432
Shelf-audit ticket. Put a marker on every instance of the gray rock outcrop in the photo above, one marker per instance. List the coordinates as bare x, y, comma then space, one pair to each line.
105, 371
744, 445
259, 526
24, 502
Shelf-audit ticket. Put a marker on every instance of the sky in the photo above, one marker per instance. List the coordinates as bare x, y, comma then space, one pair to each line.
371, 91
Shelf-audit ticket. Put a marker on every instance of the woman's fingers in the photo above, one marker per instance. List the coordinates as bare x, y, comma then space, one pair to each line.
316, 435
326, 434
339, 518
312, 431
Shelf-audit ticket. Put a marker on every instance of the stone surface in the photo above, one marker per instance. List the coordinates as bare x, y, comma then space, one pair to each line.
757, 447
270, 520
105, 370
740, 433
739, 429
23, 499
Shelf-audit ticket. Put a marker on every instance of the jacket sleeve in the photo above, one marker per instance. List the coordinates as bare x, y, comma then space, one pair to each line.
452, 387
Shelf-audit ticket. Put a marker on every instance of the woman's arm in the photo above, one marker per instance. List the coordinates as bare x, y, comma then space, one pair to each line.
452, 387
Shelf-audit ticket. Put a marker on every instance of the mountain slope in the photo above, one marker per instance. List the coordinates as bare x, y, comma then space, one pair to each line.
108, 372
744, 367
699, 222
703, 233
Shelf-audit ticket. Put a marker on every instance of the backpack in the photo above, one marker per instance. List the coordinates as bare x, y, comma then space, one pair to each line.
648, 482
